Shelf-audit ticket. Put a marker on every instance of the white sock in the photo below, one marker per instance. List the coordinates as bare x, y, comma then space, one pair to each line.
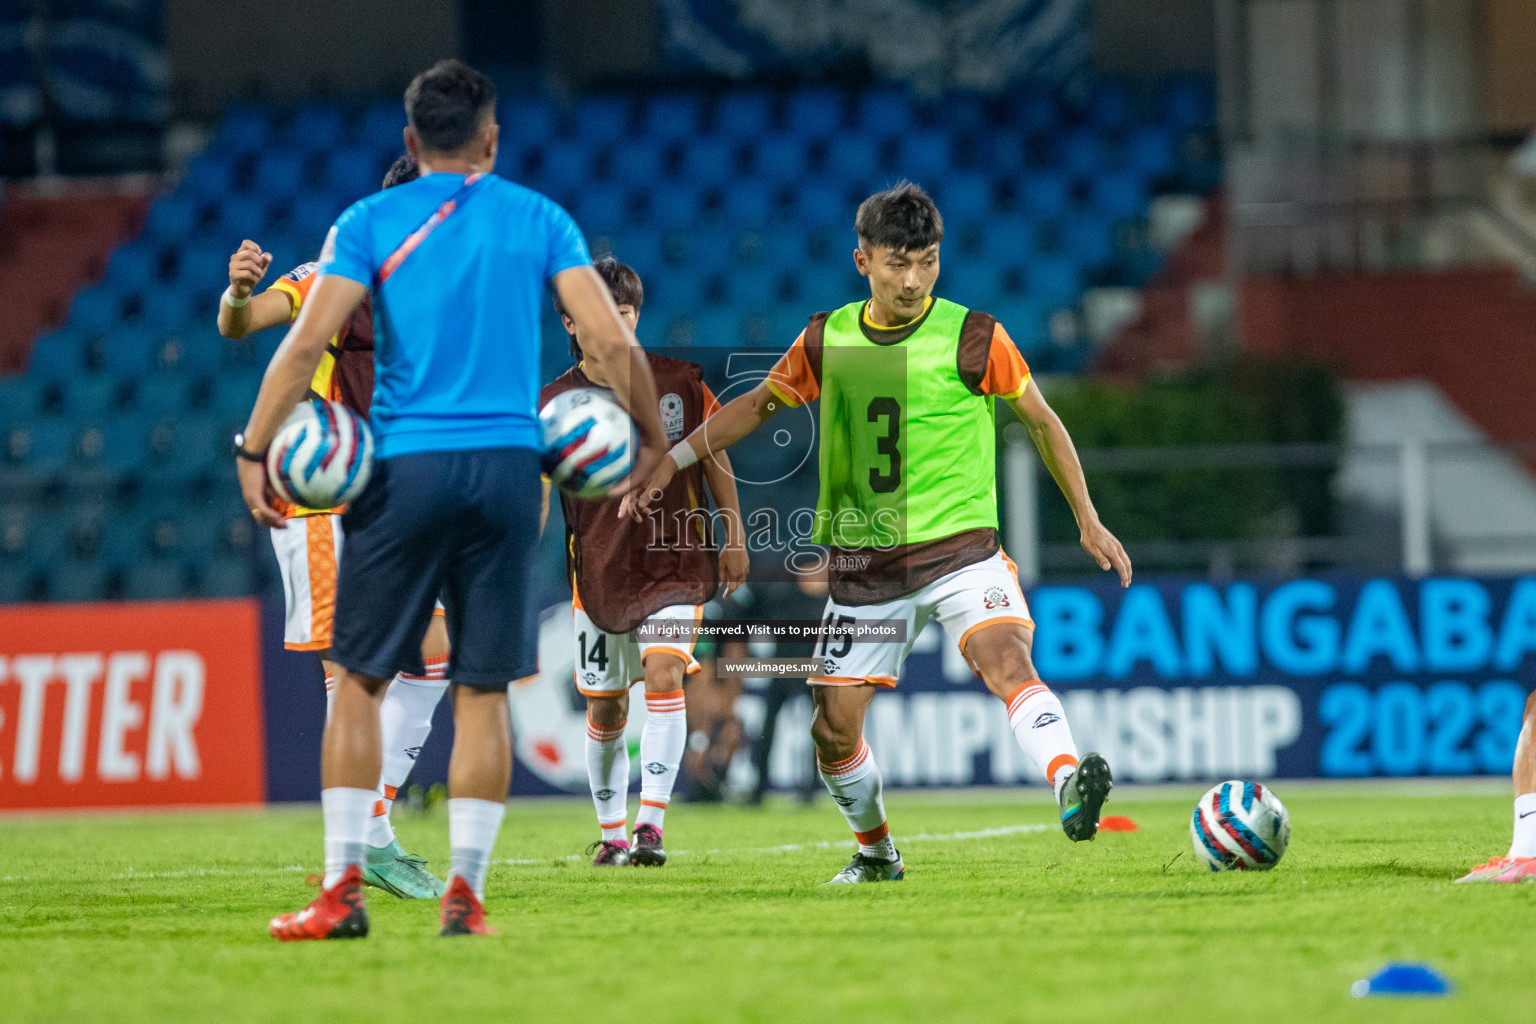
1040, 725
1524, 844
608, 776
855, 784
472, 828
345, 812
661, 750
405, 720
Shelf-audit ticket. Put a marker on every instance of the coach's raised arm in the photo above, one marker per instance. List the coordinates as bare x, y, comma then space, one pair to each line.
608, 341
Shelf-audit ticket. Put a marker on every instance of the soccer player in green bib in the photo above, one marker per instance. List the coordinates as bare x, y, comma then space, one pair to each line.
908, 510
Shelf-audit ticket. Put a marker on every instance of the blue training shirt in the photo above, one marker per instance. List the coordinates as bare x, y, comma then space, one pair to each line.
456, 324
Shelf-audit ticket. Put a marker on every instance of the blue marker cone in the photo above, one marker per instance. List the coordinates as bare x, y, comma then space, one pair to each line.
1402, 979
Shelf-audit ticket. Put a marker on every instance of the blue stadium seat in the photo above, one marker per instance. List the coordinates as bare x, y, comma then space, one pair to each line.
636, 161
715, 327
154, 580
601, 208
526, 121
242, 130
744, 115
315, 127
21, 397
884, 111
96, 309
122, 443
58, 354
200, 443
233, 394
47, 444
132, 267
778, 159
601, 119
279, 174
706, 248
198, 350
1089, 238
352, 173
1188, 103
747, 203
674, 206
15, 583
1055, 280
171, 219
923, 156
817, 290
1121, 195
752, 292
128, 351
226, 576
1025, 320
382, 126
965, 196
1003, 153
205, 264
821, 202
1034, 111
641, 248
1082, 152
671, 117
565, 163
310, 216
853, 156
243, 215
815, 113
209, 177
709, 160
1150, 150
679, 289
1044, 194
122, 539
77, 581
162, 394
784, 246
1110, 106
167, 308
90, 396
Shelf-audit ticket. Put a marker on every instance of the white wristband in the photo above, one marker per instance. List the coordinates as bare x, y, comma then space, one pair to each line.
229, 297
682, 453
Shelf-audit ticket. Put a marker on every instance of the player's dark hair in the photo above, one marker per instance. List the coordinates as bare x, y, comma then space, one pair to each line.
446, 105
903, 217
400, 172
623, 284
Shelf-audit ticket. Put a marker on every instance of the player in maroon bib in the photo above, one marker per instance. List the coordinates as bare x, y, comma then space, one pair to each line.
659, 571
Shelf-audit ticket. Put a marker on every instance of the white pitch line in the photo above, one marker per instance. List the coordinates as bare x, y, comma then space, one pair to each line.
825, 844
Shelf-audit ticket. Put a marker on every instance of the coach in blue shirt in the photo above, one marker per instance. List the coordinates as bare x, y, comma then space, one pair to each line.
457, 262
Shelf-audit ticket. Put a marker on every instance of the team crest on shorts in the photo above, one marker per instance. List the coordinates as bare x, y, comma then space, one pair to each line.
995, 597
672, 415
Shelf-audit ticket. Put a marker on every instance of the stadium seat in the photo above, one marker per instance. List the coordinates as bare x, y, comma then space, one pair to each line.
784, 247
15, 583
160, 394
315, 127
1082, 152
821, 202
233, 394
1034, 111
171, 219
639, 247
1120, 195
600, 119
352, 173
815, 113
716, 328
133, 267
225, 576
778, 159
1110, 105
1089, 238
242, 130
671, 117
636, 162
21, 397
154, 580
752, 292
965, 196
853, 156
166, 307
58, 354
44, 445
244, 215
674, 206
77, 581
746, 203
1055, 280
923, 156
1002, 153
382, 127
91, 396
601, 208
1150, 150
310, 215
884, 112
565, 164
96, 309
1188, 103
1044, 194
128, 351
526, 121
279, 174
710, 160
678, 289
208, 178
744, 115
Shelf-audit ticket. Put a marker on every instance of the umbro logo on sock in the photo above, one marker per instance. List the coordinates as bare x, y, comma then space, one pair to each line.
413, 752
604, 794
656, 768
1047, 718
844, 801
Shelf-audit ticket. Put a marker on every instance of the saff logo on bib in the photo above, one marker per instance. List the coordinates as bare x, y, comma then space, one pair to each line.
672, 415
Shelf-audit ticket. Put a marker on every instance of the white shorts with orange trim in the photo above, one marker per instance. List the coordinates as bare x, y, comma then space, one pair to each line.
977, 595
610, 663
308, 553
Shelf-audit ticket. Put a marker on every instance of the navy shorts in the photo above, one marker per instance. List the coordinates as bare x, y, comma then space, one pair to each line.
462, 525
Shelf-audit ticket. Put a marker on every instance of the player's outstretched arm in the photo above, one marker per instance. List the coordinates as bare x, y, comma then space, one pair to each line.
608, 342
721, 481
1060, 456
734, 421
247, 267
287, 379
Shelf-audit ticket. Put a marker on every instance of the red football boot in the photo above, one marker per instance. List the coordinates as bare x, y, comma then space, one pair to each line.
462, 912
338, 913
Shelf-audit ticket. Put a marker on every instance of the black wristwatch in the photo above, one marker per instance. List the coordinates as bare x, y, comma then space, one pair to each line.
241, 452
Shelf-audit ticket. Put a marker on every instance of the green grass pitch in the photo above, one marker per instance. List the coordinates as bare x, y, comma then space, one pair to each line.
163, 918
